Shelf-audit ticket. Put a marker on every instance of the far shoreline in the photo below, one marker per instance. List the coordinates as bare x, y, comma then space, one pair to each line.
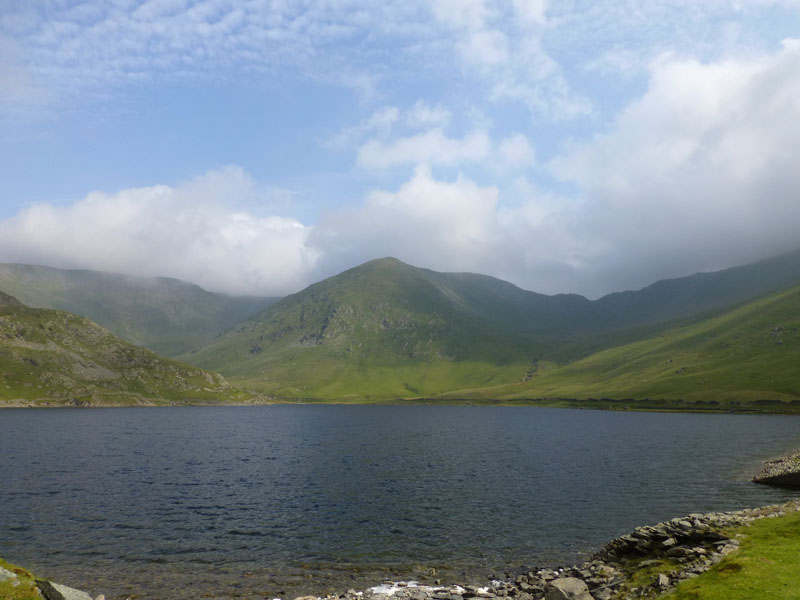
762, 407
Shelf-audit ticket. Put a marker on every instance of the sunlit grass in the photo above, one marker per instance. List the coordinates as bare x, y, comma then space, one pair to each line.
764, 568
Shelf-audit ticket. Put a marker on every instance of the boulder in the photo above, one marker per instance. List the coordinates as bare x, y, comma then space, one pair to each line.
783, 471
568, 588
56, 591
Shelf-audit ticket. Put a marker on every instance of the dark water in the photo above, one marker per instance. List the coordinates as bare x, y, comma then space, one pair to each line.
277, 500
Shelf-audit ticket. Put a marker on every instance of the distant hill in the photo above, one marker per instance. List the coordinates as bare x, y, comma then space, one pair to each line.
748, 356
387, 329
53, 357
702, 292
166, 315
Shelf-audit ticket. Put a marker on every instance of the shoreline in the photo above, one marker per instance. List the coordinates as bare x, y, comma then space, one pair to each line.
776, 407
644, 563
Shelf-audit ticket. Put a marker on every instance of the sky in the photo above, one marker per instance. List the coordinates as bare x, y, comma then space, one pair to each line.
258, 146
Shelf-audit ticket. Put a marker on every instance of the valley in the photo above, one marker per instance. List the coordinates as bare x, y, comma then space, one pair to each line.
386, 331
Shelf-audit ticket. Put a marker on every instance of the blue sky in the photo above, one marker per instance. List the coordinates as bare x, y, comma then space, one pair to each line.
256, 146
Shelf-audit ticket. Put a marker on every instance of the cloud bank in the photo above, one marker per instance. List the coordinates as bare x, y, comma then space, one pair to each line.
698, 173
193, 232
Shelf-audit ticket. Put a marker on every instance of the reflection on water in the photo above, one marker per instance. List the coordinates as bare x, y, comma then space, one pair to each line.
281, 500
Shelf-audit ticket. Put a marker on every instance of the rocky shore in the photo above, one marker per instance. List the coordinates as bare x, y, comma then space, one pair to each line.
645, 563
783, 471
26, 585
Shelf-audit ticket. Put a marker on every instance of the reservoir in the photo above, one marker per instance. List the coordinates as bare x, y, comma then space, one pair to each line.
283, 500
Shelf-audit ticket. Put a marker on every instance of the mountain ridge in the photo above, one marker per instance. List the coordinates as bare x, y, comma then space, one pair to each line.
423, 330
164, 314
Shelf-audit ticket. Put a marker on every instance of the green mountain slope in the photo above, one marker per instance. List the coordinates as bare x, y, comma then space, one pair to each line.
53, 357
703, 292
381, 328
166, 315
746, 356
386, 329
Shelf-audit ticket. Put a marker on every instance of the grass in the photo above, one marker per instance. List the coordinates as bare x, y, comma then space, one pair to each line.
764, 568
743, 360
49, 357
746, 357
388, 332
25, 588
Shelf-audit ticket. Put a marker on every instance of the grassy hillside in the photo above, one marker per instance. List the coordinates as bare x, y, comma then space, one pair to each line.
703, 292
386, 329
380, 329
747, 355
166, 315
53, 357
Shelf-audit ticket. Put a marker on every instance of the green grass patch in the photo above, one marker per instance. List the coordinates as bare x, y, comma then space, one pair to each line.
764, 568
23, 587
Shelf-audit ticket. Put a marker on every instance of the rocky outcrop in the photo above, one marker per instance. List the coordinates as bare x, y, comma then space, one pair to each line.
661, 555
783, 471
56, 591
8, 299
26, 585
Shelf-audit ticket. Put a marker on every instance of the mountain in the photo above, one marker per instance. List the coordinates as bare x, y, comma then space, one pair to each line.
381, 328
165, 315
387, 329
52, 357
703, 292
744, 357
6, 299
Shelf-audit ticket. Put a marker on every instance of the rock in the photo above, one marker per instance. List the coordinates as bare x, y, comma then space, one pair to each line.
783, 471
662, 581
6, 575
56, 591
568, 588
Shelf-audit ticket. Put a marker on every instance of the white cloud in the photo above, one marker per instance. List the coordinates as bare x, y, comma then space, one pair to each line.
436, 224
461, 14
19, 90
486, 48
699, 173
422, 115
379, 123
193, 231
531, 11
431, 146
516, 151
459, 225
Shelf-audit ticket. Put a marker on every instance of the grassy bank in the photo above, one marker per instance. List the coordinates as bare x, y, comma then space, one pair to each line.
22, 587
764, 567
